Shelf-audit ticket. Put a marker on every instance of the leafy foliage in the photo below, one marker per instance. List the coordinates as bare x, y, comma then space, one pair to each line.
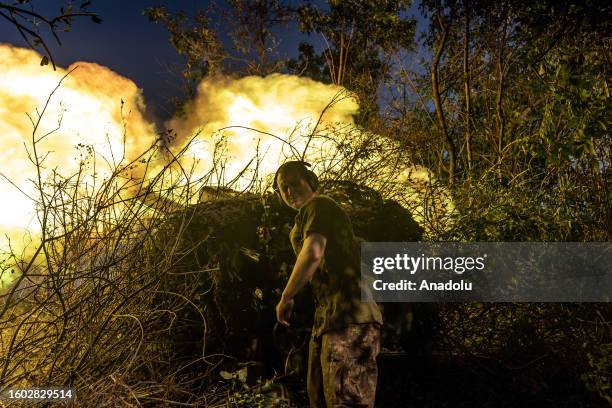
359, 37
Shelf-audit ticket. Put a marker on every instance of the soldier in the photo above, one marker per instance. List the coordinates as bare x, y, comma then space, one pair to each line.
345, 337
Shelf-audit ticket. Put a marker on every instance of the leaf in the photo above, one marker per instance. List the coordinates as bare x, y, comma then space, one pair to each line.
44, 61
258, 293
96, 19
603, 125
226, 375
253, 255
240, 375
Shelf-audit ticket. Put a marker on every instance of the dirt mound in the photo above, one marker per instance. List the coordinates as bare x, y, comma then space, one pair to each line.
233, 257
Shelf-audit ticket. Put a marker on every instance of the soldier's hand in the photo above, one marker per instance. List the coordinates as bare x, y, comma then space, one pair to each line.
283, 310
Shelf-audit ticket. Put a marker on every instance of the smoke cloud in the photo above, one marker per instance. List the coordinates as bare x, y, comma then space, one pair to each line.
94, 108
97, 110
262, 114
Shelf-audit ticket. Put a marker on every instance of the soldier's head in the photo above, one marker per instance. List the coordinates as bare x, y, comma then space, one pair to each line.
295, 183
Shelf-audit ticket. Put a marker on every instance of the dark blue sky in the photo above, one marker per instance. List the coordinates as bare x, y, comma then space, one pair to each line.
126, 42
129, 44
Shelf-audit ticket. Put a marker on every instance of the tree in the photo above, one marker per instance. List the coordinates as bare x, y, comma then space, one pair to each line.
521, 91
29, 23
443, 27
358, 38
252, 33
249, 25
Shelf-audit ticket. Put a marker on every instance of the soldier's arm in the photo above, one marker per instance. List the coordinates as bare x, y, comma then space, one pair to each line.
307, 262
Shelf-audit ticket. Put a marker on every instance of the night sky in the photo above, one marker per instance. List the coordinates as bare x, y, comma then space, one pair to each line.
128, 43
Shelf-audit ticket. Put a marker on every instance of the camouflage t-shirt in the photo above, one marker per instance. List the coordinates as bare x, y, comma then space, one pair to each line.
336, 284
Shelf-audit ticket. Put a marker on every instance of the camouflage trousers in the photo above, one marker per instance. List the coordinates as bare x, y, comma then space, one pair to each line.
342, 369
